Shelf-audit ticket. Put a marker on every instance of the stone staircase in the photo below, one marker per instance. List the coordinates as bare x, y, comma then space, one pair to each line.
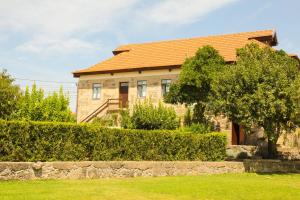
109, 106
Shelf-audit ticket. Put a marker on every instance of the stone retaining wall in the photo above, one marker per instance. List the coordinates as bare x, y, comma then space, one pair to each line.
272, 166
117, 169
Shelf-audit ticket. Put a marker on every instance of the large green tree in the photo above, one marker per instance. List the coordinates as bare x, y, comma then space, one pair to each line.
9, 95
196, 76
262, 89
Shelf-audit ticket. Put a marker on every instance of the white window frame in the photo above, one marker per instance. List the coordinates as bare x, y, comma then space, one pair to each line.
165, 85
141, 85
96, 91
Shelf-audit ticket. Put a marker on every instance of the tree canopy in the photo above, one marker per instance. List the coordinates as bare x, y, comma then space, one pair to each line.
196, 76
9, 95
261, 89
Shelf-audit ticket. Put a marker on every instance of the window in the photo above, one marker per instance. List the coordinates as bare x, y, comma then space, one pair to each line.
96, 91
141, 88
165, 86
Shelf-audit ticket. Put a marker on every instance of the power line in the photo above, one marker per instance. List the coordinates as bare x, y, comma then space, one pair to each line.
69, 90
33, 80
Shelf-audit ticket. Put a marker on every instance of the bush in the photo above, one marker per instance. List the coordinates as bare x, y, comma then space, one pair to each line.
147, 116
53, 141
126, 120
108, 120
34, 105
198, 128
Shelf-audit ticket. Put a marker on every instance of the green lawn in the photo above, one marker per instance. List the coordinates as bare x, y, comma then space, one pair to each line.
208, 187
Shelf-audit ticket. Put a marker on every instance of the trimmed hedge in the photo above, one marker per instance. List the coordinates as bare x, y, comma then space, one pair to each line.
52, 141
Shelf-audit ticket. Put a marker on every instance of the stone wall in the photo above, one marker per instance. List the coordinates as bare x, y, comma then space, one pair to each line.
291, 140
119, 169
240, 152
110, 89
102, 169
272, 166
222, 124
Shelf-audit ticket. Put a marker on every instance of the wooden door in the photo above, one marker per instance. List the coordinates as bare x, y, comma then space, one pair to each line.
123, 94
238, 134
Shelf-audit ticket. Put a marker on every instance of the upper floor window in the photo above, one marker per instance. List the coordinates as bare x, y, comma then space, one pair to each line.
165, 86
96, 91
141, 88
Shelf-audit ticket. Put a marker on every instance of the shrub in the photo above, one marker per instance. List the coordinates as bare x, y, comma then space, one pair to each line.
53, 141
108, 120
34, 105
147, 116
126, 119
198, 128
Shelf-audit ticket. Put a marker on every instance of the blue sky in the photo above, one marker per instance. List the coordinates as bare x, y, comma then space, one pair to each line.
48, 39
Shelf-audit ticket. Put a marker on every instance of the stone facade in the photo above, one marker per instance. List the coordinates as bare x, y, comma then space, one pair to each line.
224, 125
121, 169
291, 140
110, 89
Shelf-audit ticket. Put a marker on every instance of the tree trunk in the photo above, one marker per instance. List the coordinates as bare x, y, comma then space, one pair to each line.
272, 150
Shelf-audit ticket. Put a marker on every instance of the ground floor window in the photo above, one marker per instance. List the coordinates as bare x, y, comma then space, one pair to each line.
96, 91
165, 86
141, 88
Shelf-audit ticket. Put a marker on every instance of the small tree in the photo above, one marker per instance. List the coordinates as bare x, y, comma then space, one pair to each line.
57, 107
9, 95
36, 107
260, 90
31, 105
196, 76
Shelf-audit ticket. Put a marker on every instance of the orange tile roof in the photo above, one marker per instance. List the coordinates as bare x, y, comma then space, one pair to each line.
174, 52
295, 56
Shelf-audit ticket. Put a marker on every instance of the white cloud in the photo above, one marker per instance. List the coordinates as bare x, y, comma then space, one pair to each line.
51, 46
62, 26
182, 11
61, 16
50, 25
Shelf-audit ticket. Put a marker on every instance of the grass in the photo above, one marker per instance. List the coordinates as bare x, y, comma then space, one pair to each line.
206, 187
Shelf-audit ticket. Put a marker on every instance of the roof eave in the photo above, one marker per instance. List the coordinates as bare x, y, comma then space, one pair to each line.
295, 57
78, 74
268, 39
275, 41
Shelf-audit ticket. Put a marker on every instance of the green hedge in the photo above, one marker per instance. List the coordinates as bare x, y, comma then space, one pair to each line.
51, 141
